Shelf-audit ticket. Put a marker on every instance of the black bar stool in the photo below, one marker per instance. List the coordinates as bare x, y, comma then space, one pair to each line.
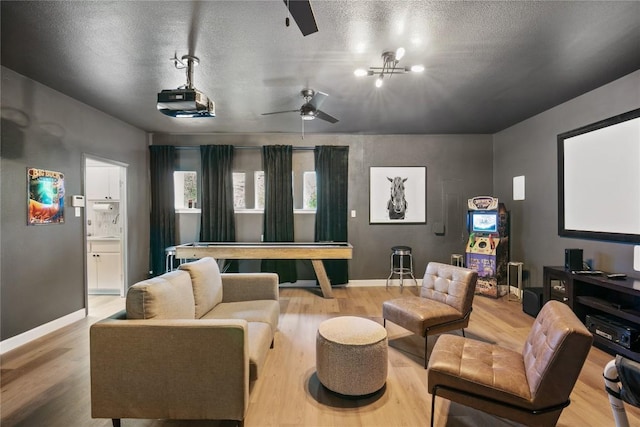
170, 256
399, 253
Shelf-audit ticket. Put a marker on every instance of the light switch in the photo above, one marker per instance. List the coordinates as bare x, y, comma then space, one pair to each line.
353, 213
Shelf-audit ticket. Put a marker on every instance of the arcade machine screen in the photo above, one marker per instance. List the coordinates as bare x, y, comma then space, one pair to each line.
484, 222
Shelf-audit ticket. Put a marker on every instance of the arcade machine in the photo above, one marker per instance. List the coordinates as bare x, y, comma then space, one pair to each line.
487, 250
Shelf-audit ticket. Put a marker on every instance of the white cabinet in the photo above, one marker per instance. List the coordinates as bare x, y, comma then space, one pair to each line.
104, 267
103, 182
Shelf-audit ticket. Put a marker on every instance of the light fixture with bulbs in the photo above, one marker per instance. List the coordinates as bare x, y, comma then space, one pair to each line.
389, 67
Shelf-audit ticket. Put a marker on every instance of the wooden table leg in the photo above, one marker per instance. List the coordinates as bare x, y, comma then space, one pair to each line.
321, 274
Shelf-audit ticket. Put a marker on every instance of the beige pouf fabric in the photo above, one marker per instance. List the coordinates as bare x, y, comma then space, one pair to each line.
351, 355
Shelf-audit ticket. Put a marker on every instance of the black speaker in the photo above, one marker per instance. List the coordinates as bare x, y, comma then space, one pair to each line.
573, 259
532, 301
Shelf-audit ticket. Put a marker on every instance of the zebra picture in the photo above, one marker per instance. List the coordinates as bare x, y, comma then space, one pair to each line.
397, 195
397, 204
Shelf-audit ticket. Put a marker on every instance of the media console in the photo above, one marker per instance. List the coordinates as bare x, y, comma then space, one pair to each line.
609, 307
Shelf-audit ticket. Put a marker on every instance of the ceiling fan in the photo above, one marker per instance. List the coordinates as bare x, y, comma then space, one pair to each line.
311, 108
302, 13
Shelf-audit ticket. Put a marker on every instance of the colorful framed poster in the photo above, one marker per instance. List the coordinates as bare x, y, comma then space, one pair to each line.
398, 195
45, 191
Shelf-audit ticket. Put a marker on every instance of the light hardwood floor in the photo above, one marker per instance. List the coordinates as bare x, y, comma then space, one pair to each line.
46, 382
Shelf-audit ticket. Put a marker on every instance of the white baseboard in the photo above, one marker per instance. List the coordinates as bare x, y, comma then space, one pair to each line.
299, 284
40, 331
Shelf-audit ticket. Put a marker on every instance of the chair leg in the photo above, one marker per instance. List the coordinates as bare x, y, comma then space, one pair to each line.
433, 405
115, 422
390, 275
426, 349
463, 333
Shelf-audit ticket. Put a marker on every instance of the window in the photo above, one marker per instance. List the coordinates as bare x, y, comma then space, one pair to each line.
239, 198
309, 196
185, 189
258, 185
310, 200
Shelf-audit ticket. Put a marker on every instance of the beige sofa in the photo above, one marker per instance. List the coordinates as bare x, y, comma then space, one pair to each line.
186, 347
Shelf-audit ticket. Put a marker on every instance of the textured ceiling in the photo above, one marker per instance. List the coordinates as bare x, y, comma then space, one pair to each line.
488, 65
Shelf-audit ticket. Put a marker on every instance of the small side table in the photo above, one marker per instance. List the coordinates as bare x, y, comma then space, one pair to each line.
517, 266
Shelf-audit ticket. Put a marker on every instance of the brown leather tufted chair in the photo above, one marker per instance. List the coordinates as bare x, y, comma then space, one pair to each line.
444, 303
531, 387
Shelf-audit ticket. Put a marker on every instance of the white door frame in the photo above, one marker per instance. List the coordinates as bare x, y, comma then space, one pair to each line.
123, 218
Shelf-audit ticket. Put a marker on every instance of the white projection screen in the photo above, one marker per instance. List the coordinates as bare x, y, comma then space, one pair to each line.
599, 180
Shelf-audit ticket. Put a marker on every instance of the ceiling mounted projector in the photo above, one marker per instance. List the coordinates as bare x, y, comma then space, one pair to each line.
187, 101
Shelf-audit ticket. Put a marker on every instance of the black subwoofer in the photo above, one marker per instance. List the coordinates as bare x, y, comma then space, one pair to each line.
532, 301
573, 259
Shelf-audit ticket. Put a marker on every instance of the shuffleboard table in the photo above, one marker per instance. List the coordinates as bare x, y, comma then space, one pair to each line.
314, 251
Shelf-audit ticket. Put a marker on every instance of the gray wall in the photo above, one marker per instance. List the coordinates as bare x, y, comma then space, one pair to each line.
530, 149
42, 267
458, 167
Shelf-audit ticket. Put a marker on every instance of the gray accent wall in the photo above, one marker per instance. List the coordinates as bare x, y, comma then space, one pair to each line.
530, 149
42, 275
458, 167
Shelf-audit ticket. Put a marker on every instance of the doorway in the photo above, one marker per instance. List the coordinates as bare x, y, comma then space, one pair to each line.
105, 226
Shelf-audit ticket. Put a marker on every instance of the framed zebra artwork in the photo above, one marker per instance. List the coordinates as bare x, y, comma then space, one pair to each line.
398, 195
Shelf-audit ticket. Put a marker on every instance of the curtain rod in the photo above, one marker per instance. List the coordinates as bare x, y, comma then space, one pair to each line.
241, 147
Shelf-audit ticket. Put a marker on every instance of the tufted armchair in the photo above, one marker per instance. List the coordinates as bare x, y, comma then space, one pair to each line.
531, 387
444, 304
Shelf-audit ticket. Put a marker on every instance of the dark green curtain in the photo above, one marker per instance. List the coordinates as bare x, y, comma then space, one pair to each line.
163, 213
278, 206
217, 223
217, 218
332, 179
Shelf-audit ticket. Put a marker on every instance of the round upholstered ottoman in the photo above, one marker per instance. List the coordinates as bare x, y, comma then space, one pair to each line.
351, 355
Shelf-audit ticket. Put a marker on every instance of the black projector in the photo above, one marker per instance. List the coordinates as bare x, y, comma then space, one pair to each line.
185, 103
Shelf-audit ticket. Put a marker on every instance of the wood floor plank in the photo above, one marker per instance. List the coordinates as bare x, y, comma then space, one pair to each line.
46, 382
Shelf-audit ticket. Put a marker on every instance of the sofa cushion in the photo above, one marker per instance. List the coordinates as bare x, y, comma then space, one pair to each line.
481, 368
165, 297
265, 311
206, 282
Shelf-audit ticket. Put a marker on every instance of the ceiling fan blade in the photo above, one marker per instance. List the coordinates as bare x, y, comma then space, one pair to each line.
324, 116
279, 112
302, 13
317, 99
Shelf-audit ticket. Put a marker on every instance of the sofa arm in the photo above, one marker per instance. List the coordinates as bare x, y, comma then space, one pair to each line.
249, 286
169, 369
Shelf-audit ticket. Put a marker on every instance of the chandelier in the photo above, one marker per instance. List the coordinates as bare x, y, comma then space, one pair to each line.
389, 67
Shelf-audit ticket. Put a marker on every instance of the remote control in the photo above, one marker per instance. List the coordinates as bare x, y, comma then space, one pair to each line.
587, 272
617, 276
